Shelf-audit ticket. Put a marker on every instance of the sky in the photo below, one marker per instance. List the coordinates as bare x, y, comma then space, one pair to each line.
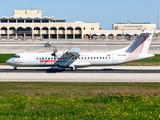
105, 12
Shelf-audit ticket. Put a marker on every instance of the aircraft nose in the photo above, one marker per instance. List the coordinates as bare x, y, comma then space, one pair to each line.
8, 62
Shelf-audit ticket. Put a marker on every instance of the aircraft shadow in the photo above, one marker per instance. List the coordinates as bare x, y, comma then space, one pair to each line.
51, 70
106, 70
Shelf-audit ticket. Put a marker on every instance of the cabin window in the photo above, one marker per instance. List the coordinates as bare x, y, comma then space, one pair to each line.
97, 57
63, 58
42, 58
49, 58
81, 57
106, 57
39, 58
103, 57
52, 58
91, 57
36, 58
88, 57
46, 58
85, 58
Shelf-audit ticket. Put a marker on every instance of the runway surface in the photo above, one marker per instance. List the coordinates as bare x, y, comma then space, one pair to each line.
60, 70
90, 74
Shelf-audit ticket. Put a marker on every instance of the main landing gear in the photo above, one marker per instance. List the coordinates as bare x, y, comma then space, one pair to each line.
73, 68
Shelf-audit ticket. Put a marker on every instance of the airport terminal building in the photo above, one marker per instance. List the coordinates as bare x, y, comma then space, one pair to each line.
30, 24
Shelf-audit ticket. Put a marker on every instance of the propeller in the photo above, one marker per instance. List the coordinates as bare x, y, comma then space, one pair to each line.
70, 47
54, 51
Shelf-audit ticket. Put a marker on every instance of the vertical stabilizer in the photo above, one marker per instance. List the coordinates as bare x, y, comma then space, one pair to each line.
141, 45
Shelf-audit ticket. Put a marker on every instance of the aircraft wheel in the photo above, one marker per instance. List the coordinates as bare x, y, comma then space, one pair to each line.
73, 68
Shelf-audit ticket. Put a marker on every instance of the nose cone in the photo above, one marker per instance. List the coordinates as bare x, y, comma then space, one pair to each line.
8, 62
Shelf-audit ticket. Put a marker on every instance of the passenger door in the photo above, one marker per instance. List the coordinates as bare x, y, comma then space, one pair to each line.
114, 58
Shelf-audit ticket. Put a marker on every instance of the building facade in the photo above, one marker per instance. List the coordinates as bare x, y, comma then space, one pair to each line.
30, 24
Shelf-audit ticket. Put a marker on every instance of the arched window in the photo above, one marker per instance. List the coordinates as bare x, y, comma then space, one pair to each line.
119, 36
28, 29
110, 36
20, 29
94, 36
45, 33
102, 36
78, 33
53, 33
61, 32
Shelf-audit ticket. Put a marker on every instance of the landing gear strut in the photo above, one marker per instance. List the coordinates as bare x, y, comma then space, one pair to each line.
15, 68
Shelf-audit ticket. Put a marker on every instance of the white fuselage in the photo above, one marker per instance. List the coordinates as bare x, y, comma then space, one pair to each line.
63, 60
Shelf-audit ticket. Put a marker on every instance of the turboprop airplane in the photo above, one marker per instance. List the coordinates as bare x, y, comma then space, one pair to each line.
74, 59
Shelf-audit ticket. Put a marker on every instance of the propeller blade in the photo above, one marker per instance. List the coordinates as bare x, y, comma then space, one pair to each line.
70, 47
54, 51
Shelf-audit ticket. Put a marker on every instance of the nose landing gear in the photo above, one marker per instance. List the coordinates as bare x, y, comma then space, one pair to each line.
15, 68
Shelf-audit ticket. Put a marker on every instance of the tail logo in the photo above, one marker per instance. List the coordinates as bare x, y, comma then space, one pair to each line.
135, 49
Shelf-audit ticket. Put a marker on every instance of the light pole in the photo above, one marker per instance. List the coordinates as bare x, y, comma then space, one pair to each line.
158, 14
158, 19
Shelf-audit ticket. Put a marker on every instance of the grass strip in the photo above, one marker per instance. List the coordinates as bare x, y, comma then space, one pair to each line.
5, 57
71, 90
24, 100
99, 107
156, 58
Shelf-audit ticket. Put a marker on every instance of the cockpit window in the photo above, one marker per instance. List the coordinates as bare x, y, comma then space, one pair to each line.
16, 56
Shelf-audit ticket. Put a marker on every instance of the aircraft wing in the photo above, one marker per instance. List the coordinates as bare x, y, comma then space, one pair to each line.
74, 51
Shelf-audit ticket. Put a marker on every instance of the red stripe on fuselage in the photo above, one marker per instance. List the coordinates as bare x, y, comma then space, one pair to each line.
18, 62
47, 60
